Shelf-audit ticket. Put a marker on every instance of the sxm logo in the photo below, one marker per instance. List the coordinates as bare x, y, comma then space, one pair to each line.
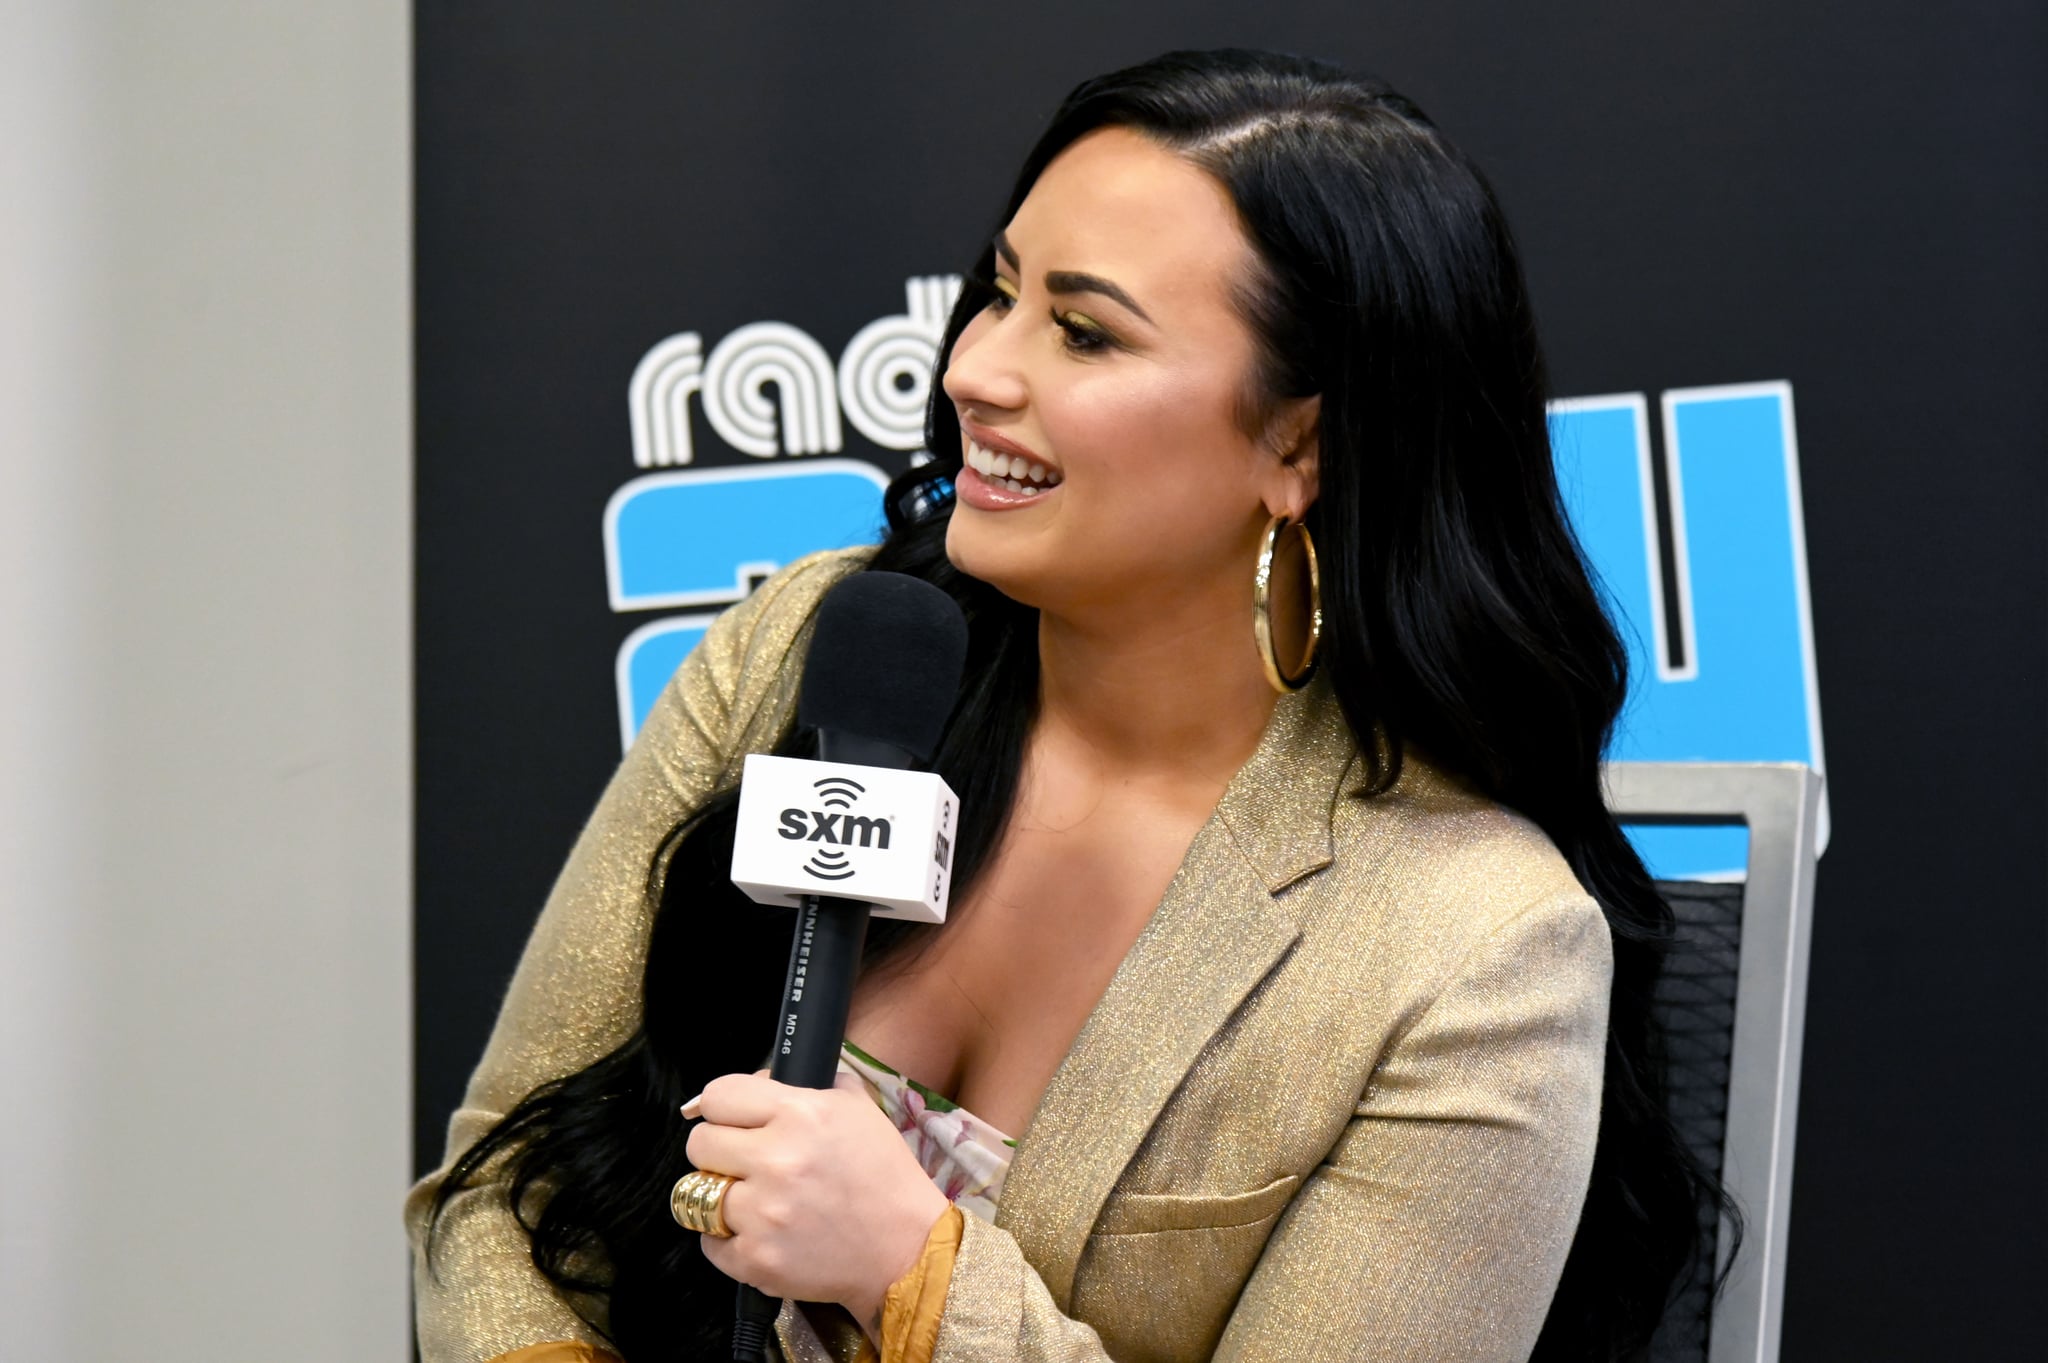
834, 827
1699, 546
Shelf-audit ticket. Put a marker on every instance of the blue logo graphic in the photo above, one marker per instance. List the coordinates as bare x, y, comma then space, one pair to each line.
1721, 652
706, 537
703, 536
1715, 610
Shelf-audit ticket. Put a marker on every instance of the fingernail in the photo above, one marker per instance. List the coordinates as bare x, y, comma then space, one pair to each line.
690, 1108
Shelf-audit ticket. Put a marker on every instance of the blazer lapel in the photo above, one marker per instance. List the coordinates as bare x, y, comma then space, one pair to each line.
1214, 936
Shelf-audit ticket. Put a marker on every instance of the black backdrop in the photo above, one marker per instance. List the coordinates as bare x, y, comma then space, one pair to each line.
1847, 197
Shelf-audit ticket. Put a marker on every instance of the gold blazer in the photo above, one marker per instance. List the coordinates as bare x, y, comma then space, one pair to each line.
1338, 1102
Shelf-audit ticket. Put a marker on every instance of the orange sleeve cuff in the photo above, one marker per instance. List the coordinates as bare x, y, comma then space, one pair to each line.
916, 1301
563, 1351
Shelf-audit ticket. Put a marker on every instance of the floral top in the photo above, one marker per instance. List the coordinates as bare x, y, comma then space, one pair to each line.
964, 1155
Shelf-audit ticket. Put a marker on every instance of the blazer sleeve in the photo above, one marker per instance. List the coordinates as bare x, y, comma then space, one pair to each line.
575, 995
1437, 1226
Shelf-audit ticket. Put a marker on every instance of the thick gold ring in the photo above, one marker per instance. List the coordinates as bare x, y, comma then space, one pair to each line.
698, 1202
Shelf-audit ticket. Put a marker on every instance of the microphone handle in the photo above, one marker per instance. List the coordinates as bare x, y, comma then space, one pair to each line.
824, 959
817, 993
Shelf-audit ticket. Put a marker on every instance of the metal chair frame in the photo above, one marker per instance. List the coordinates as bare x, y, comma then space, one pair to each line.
1780, 804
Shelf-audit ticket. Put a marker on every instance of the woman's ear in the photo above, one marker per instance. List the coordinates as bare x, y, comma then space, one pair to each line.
1294, 438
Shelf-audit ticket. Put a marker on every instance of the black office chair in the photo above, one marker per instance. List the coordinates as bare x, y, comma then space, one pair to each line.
1733, 1003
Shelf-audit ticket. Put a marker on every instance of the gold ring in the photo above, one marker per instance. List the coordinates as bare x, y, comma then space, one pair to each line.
698, 1202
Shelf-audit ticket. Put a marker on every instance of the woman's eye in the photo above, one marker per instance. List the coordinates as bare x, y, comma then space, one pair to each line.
1081, 337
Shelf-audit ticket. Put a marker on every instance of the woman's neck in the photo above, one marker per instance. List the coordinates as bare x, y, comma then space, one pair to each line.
1174, 693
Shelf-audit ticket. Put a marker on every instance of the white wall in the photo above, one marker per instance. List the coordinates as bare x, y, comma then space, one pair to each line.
204, 673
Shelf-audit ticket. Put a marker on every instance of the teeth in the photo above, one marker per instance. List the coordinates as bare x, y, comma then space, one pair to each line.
1011, 470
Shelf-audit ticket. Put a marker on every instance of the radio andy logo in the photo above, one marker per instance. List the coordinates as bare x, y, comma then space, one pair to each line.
835, 830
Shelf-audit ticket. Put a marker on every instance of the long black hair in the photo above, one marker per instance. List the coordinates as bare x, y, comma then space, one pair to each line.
1460, 616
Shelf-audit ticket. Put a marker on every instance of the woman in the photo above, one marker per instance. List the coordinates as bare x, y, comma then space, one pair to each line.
1298, 952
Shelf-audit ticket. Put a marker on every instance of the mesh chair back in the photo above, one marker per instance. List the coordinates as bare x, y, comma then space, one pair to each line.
1733, 1003
1695, 1004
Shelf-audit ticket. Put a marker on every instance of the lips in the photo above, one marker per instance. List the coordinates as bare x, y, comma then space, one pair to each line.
1007, 467
1012, 471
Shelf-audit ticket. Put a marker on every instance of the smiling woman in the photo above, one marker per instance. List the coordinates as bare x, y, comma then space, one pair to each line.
1112, 352
1292, 945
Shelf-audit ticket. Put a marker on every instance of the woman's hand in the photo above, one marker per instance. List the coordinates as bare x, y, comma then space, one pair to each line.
830, 1206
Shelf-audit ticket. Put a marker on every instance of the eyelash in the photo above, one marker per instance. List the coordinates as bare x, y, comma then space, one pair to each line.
1079, 339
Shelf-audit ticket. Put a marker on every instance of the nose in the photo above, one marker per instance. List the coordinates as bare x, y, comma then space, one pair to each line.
983, 371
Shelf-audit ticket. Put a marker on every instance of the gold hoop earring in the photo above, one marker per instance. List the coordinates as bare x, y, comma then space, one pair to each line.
1284, 679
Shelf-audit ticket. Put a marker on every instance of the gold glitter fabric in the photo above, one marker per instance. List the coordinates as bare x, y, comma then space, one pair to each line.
1338, 1102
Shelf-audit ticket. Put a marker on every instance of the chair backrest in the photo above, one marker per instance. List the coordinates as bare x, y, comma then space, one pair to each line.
1733, 1001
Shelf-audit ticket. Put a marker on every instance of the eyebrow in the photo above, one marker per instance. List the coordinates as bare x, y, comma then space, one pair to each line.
1072, 281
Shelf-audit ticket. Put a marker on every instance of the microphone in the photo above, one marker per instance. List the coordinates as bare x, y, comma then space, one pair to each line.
881, 678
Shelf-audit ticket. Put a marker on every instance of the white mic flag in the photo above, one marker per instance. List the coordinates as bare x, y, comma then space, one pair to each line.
831, 828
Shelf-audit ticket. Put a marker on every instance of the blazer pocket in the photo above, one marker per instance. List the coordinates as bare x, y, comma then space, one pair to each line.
1147, 1213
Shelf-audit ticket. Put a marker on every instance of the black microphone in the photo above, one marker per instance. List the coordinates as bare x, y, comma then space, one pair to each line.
880, 680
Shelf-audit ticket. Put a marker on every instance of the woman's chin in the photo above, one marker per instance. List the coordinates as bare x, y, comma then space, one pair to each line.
1018, 571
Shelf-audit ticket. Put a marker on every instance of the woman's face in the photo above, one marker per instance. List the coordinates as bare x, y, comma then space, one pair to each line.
1103, 380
